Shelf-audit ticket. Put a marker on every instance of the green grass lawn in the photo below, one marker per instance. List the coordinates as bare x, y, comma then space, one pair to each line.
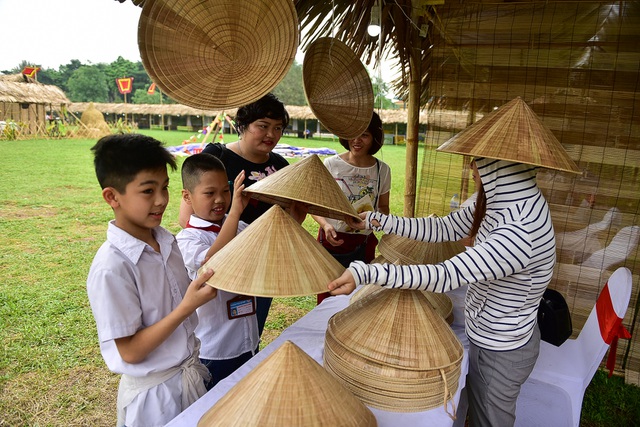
52, 220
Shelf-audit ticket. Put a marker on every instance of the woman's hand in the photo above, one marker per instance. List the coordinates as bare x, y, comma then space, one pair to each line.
357, 224
331, 235
343, 285
298, 211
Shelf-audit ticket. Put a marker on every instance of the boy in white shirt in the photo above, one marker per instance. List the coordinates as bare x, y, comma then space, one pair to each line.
140, 294
228, 327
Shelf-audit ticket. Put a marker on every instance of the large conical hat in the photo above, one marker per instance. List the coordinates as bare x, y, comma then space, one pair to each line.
273, 257
307, 181
338, 87
217, 54
514, 133
409, 251
288, 388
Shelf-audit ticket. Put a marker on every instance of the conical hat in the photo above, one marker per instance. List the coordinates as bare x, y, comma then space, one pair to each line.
338, 87
273, 257
215, 54
308, 181
514, 133
288, 388
369, 328
410, 252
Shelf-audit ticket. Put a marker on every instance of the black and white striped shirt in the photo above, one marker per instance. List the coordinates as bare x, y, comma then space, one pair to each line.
507, 269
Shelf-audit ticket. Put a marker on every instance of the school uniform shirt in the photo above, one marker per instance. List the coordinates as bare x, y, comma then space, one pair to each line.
221, 337
507, 269
130, 287
358, 184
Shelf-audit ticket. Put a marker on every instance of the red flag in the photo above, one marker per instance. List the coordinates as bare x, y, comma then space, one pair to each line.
30, 71
152, 89
124, 84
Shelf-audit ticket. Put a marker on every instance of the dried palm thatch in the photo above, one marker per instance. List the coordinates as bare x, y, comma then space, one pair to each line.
94, 125
288, 388
17, 88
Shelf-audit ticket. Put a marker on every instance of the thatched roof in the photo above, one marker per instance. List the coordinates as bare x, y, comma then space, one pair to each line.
17, 88
448, 119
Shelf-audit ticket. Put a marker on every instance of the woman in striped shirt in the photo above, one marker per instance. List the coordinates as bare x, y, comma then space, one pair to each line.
507, 269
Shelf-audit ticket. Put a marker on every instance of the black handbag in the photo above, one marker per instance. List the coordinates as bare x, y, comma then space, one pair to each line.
554, 318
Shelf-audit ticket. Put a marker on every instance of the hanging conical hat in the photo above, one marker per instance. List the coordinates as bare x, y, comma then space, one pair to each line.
514, 133
288, 388
216, 54
273, 257
308, 181
338, 87
409, 251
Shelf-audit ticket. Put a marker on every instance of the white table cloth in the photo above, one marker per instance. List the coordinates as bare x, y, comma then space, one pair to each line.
308, 334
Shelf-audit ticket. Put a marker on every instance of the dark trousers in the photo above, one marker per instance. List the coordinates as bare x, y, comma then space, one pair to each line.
262, 311
221, 369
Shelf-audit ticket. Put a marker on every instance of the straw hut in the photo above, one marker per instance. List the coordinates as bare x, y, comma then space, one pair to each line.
27, 102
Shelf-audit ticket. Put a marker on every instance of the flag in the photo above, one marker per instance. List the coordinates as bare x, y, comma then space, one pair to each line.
152, 89
30, 71
124, 84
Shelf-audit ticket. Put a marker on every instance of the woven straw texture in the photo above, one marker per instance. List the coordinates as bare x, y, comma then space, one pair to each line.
394, 352
515, 133
213, 54
441, 303
273, 257
308, 181
288, 388
407, 251
338, 87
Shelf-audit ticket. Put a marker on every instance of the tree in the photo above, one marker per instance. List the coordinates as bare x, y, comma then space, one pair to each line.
124, 68
88, 84
140, 96
380, 90
290, 89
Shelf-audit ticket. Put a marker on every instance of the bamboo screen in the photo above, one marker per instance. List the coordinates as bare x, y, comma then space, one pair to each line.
577, 64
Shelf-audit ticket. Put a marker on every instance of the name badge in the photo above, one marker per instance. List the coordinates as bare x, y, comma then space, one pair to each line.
241, 306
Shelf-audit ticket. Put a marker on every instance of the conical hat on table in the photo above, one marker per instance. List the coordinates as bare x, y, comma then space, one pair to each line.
394, 352
514, 133
337, 87
273, 257
307, 181
216, 54
288, 388
410, 252
441, 303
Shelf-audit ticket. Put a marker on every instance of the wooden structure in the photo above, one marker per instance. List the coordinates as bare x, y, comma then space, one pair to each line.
28, 103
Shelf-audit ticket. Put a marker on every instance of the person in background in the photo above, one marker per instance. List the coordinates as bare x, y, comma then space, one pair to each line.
139, 290
366, 181
227, 328
260, 126
507, 269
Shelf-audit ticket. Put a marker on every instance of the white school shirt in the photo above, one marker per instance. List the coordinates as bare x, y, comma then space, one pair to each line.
357, 183
222, 338
130, 287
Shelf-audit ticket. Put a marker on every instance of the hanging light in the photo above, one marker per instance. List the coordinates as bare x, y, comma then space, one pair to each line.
374, 25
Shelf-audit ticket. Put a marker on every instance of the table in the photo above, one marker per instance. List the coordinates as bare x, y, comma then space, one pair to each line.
308, 334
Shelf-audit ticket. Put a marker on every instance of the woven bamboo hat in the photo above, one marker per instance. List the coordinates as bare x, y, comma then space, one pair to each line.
288, 388
515, 133
401, 369
215, 54
273, 257
338, 87
307, 181
409, 251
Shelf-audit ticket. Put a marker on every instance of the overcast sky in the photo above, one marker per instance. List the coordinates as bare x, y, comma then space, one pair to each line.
51, 33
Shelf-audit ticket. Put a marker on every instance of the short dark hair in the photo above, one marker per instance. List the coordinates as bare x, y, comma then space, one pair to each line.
268, 106
119, 158
375, 129
194, 166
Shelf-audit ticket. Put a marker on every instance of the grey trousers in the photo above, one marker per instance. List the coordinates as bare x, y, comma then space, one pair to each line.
494, 380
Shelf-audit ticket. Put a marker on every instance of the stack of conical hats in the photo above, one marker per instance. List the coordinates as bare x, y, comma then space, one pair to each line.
513, 132
284, 260
394, 352
288, 388
307, 181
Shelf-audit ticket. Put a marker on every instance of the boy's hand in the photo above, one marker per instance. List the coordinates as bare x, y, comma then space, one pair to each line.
343, 285
240, 200
198, 292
